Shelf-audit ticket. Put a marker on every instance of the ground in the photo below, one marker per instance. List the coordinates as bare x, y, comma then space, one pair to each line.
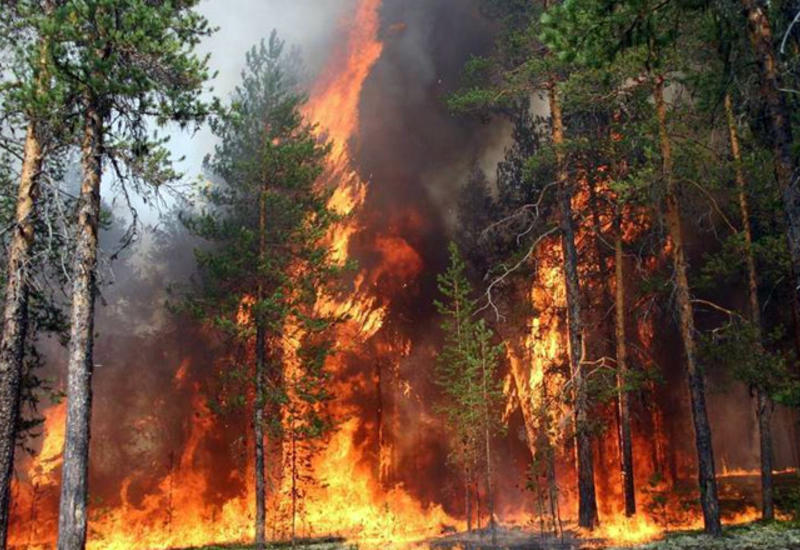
756, 536
318, 544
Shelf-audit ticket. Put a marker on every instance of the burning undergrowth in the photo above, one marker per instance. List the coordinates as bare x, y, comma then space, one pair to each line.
167, 470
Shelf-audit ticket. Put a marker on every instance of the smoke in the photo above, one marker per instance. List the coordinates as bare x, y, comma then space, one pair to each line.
416, 157
309, 25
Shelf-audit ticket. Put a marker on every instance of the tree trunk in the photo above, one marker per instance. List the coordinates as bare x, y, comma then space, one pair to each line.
15, 306
765, 408
763, 402
467, 497
74, 476
487, 434
623, 398
294, 481
258, 406
587, 503
761, 39
258, 433
15, 316
702, 429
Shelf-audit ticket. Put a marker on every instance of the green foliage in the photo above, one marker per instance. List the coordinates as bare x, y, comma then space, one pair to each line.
787, 498
466, 367
266, 263
45, 315
593, 33
738, 348
133, 61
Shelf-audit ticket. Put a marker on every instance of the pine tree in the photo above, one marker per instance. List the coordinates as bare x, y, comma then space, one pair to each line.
15, 304
466, 371
525, 67
645, 30
759, 31
265, 220
128, 67
30, 99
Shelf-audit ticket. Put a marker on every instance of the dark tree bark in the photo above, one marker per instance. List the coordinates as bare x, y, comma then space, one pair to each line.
587, 502
765, 406
623, 398
72, 514
467, 498
702, 429
760, 33
259, 402
15, 315
763, 401
487, 435
258, 433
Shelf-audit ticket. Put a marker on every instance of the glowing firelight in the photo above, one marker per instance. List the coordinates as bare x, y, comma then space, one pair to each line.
350, 497
348, 500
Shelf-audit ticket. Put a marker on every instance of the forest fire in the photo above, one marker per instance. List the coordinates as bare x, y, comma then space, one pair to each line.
590, 358
348, 498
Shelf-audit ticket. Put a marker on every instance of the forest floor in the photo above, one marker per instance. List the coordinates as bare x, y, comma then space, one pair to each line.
755, 536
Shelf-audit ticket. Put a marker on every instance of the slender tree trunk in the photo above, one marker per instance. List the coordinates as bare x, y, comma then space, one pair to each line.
762, 41
467, 501
587, 503
468, 444
702, 428
294, 481
487, 434
623, 397
258, 431
15, 316
764, 414
15, 306
72, 516
258, 407
763, 402
477, 500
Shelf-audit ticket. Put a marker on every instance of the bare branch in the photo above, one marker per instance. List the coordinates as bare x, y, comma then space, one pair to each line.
788, 32
509, 270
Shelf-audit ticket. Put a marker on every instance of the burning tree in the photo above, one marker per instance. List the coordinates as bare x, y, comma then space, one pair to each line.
466, 372
266, 264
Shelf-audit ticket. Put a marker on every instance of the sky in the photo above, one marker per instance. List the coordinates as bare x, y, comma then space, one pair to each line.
308, 24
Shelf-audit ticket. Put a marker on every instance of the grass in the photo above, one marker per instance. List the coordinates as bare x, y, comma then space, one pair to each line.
754, 536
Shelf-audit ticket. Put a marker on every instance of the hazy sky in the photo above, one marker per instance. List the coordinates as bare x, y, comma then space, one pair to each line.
308, 24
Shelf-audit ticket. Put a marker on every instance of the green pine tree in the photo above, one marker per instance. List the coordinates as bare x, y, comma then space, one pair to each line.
127, 68
267, 263
466, 372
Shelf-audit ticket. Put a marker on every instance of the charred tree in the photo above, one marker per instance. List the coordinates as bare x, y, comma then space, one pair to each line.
587, 504
15, 317
623, 397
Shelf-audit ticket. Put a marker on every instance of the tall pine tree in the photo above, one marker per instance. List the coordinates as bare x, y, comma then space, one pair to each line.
267, 263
